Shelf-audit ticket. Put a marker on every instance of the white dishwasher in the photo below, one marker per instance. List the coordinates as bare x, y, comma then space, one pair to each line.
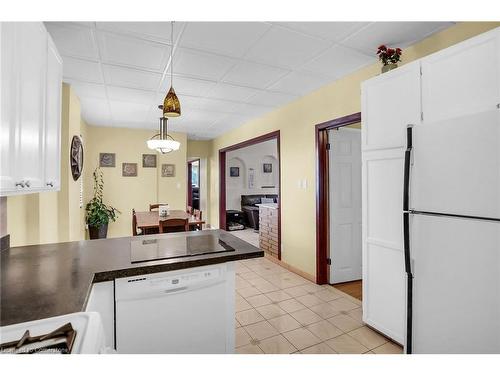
184, 311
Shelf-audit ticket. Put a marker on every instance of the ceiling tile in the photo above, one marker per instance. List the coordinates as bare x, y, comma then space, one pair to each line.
72, 39
287, 48
88, 90
199, 64
271, 99
187, 86
397, 34
300, 83
131, 95
81, 70
152, 30
231, 92
116, 49
128, 112
228, 38
254, 75
133, 78
95, 111
333, 31
338, 61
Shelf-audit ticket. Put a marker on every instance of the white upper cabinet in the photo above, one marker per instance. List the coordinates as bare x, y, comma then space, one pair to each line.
52, 146
8, 101
32, 64
474, 64
31, 77
389, 103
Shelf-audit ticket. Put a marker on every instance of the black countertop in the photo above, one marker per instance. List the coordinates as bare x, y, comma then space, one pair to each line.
41, 281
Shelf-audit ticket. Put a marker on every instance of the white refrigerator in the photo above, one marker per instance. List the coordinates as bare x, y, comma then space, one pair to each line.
451, 225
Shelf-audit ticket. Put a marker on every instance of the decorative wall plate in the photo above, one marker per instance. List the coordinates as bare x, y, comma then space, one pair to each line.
76, 157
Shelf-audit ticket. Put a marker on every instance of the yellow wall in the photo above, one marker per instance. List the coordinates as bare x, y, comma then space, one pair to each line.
126, 193
296, 123
52, 216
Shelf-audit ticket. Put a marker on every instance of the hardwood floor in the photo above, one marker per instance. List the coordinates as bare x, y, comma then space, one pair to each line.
353, 288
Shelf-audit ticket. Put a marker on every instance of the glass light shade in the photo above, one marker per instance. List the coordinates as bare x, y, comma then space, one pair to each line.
171, 104
163, 145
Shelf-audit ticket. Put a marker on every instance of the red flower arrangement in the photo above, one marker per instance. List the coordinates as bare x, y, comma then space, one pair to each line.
389, 55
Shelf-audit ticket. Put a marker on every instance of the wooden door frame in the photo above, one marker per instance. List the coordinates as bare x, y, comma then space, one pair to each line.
222, 177
190, 181
322, 192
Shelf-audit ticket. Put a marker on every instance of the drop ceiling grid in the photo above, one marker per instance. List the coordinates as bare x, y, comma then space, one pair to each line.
248, 94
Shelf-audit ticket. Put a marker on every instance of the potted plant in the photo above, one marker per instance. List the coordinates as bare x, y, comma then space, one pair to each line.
98, 214
389, 57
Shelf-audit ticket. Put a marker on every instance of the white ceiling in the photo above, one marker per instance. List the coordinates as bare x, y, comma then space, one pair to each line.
225, 73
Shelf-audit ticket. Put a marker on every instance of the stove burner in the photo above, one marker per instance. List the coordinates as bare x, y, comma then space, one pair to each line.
58, 341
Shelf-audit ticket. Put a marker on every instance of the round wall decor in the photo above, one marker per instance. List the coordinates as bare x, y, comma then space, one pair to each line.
76, 157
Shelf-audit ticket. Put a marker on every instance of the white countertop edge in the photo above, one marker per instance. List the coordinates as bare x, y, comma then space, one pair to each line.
273, 206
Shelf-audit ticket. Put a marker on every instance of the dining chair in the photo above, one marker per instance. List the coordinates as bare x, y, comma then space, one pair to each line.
198, 216
134, 224
189, 210
174, 225
155, 206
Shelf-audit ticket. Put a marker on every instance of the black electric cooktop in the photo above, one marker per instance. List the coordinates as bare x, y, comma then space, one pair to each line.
176, 246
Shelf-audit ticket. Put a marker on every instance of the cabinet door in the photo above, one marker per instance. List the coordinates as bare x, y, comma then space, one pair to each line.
390, 102
382, 255
52, 146
8, 100
462, 79
32, 62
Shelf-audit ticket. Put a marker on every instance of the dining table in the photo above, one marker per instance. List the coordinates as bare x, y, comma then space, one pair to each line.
151, 219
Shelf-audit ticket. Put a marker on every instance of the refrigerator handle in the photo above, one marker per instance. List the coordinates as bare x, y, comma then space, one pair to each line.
406, 181
406, 239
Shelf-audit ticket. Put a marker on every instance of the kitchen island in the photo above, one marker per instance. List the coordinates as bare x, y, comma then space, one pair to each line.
42, 281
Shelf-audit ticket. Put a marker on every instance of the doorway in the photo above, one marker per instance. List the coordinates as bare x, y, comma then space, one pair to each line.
193, 185
345, 204
327, 258
249, 176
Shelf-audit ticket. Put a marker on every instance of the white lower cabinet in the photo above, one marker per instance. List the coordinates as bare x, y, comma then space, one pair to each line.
102, 301
31, 76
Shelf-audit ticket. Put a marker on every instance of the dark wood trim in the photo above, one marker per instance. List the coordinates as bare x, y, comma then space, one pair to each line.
222, 177
5, 242
322, 192
190, 184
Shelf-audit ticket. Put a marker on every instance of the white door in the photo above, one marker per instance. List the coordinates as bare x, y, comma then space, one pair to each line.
456, 285
52, 146
462, 79
456, 165
32, 61
345, 205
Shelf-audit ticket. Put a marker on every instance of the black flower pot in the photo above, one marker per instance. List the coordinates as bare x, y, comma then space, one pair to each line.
98, 232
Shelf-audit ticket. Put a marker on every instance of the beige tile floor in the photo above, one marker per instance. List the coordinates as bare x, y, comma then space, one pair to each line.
248, 235
278, 311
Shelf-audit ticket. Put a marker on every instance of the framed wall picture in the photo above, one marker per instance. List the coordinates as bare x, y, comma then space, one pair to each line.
107, 160
149, 160
129, 169
234, 171
168, 170
267, 168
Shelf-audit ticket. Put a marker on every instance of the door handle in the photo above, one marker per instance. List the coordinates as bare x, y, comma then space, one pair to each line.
51, 184
27, 183
21, 184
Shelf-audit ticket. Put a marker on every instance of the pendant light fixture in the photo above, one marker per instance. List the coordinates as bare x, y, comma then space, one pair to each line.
171, 103
163, 142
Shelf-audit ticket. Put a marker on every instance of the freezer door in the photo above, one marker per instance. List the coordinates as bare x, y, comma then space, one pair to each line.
456, 166
456, 286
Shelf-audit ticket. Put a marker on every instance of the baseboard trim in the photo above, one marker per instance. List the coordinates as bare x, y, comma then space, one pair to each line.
293, 269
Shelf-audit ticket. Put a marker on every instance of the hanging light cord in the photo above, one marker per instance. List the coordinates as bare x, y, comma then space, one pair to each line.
171, 54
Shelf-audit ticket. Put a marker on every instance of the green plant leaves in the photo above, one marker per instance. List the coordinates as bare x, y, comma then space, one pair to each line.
97, 213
